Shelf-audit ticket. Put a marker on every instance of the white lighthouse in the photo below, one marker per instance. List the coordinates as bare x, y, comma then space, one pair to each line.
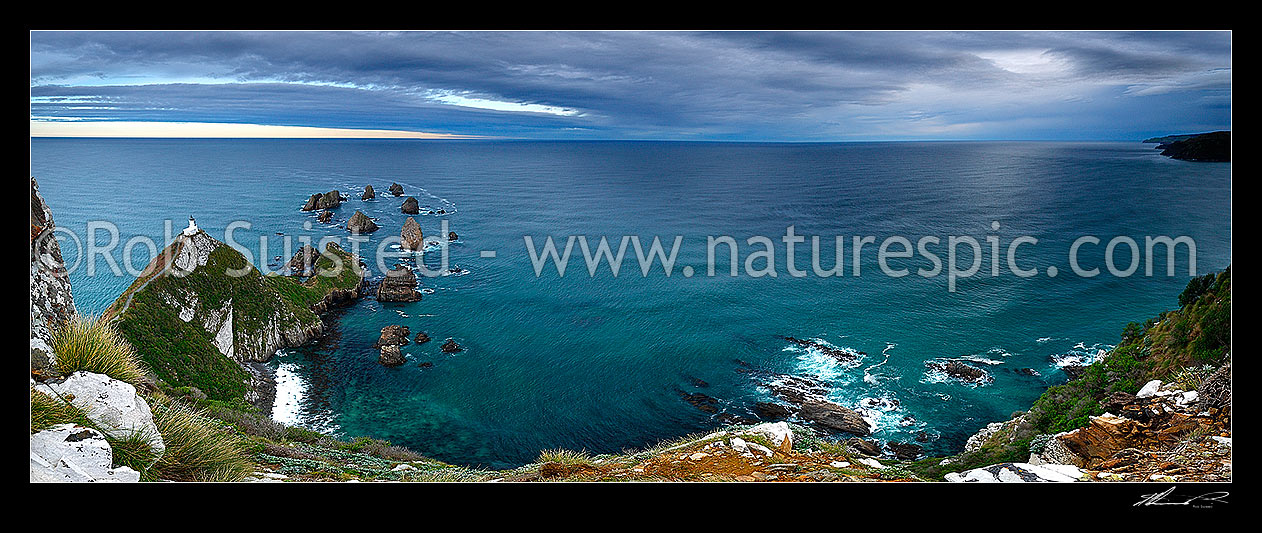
192, 229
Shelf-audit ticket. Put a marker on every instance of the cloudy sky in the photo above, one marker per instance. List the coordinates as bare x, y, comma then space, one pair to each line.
774, 86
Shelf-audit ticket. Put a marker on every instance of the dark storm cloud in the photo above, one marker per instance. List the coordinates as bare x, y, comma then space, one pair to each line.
773, 85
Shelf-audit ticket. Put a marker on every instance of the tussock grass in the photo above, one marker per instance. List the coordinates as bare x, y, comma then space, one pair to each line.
47, 412
197, 448
565, 457
95, 345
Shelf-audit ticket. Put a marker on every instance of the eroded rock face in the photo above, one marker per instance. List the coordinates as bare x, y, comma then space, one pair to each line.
398, 286
72, 453
112, 405
391, 356
961, 371
360, 223
834, 417
51, 301
410, 206
369, 194
303, 262
328, 200
396, 189
413, 238
392, 336
1215, 393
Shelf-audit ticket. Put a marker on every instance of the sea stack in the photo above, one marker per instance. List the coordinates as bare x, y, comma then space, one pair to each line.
360, 223
391, 356
368, 193
410, 206
328, 200
396, 189
451, 347
413, 239
399, 286
325, 217
451, 236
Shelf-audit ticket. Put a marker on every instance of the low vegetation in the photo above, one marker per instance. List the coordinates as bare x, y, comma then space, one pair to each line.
95, 345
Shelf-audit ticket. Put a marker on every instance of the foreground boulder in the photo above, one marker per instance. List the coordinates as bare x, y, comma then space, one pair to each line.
111, 404
369, 194
410, 206
398, 286
413, 238
396, 189
1017, 473
360, 223
72, 453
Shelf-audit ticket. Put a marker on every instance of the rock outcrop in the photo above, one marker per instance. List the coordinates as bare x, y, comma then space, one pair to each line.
451, 236
325, 217
396, 189
71, 453
411, 206
303, 262
51, 301
360, 224
369, 194
202, 314
451, 347
399, 285
413, 238
1018, 473
112, 405
392, 336
328, 200
959, 371
422, 338
391, 356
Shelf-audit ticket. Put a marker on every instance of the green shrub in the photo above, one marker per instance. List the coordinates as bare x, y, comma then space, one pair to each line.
94, 345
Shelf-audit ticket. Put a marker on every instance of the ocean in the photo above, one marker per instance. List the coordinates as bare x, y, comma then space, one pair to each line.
602, 362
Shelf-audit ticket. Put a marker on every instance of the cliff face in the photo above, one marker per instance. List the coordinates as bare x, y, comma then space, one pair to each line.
51, 301
200, 314
1157, 408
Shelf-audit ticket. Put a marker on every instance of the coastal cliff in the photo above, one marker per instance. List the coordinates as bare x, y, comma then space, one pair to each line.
202, 314
1155, 408
52, 304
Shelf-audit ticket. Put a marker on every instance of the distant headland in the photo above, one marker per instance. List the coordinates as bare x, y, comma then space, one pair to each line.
1207, 147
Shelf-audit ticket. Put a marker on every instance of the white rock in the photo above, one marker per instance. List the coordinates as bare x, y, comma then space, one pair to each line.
760, 449
871, 462
740, 446
776, 433
839, 464
403, 468
1006, 475
1226, 441
1149, 389
111, 404
698, 456
71, 453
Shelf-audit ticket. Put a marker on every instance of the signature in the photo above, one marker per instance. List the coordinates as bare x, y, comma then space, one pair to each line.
1205, 500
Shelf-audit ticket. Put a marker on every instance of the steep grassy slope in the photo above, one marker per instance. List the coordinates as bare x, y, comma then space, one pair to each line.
195, 329
1195, 338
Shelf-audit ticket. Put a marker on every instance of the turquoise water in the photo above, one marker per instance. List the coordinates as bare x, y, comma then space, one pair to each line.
599, 362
